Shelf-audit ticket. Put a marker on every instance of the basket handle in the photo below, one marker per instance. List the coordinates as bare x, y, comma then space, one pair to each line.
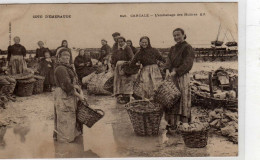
102, 112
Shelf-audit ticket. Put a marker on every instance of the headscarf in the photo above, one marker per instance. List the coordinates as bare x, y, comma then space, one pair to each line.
130, 41
62, 43
81, 50
149, 43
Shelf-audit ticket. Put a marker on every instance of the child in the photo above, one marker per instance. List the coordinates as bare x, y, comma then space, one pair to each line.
46, 69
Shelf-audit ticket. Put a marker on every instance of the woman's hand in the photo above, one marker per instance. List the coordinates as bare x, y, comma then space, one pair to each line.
173, 73
167, 76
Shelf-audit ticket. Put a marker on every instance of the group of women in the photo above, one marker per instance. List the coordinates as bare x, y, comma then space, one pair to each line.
67, 78
177, 66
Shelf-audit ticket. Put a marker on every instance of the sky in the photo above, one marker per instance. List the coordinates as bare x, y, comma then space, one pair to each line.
89, 23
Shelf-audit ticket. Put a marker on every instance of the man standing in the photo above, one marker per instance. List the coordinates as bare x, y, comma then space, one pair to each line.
105, 52
15, 58
115, 46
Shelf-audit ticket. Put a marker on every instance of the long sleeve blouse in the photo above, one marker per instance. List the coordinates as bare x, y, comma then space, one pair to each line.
16, 49
40, 52
121, 54
107, 50
65, 78
82, 60
148, 56
180, 58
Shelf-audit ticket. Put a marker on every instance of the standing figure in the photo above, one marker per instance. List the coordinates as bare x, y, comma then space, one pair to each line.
83, 65
15, 57
115, 45
41, 51
46, 70
64, 46
123, 84
180, 62
130, 44
105, 54
66, 96
150, 76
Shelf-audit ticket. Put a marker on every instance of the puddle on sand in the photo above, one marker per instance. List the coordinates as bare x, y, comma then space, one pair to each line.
112, 136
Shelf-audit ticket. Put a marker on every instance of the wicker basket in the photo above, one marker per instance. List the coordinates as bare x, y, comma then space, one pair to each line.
210, 102
138, 88
25, 87
130, 69
109, 85
38, 84
167, 94
87, 115
195, 139
145, 117
22, 76
96, 84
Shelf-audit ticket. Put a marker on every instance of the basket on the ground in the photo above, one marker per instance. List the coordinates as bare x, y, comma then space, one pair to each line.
130, 69
96, 84
87, 115
145, 117
38, 84
25, 87
109, 85
195, 139
211, 102
167, 94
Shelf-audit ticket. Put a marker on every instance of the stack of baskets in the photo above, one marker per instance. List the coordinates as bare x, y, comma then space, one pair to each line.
195, 139
145, 117
38, 85
167, 94
87, 115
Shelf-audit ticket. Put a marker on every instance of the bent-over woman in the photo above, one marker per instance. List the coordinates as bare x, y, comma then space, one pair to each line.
66, 96
150, 75
179, 63
123, 84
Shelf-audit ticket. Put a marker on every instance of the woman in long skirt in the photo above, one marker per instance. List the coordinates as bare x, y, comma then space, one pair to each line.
179, 63
46, 70
150, 76
66, 96
123, 84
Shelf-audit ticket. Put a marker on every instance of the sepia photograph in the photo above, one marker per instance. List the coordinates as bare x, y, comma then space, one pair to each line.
119, 80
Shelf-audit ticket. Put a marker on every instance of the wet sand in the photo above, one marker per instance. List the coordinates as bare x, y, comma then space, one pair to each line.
29, 127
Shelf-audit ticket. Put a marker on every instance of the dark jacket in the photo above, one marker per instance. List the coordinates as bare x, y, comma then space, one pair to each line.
122, 55
147, 56
107, 50
40, 52
181, 58
46, 69
16, 49
65, 78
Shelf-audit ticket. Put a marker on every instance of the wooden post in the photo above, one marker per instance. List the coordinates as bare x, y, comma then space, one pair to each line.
210, 85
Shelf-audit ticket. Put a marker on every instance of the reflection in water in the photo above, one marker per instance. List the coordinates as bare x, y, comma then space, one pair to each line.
2, 134
73, 150
22, 131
